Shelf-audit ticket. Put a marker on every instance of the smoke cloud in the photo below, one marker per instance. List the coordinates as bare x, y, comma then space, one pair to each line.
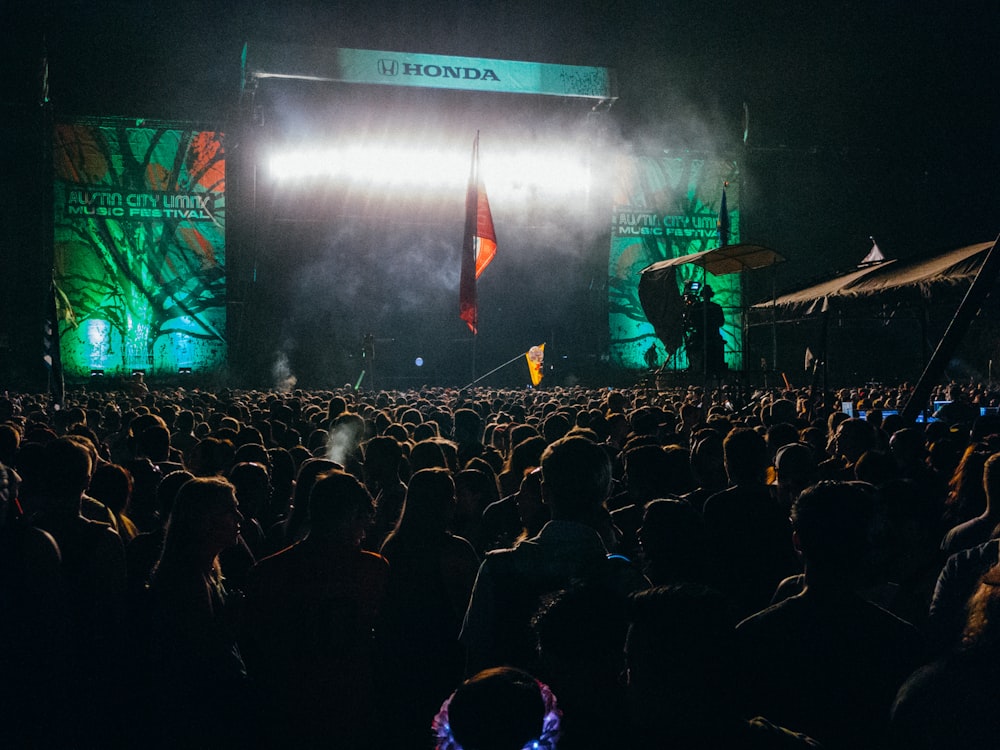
342, 442
282, 376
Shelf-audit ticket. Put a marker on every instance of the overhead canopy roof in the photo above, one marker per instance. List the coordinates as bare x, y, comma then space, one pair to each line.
660, 299
724, 260
915, 278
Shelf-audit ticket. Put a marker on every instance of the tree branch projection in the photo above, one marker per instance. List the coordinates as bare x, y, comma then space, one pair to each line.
140, 236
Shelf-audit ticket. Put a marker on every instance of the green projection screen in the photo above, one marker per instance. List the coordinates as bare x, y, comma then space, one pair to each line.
665, 207
139, 235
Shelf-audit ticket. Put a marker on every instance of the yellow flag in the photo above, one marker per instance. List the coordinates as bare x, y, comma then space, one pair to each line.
536, 359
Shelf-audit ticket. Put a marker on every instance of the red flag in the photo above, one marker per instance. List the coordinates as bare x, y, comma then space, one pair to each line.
486, 236
479, 245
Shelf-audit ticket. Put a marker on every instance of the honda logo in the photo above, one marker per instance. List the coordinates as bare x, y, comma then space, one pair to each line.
388, 67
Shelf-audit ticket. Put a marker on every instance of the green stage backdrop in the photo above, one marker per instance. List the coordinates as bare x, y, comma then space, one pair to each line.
139, 234
665, 207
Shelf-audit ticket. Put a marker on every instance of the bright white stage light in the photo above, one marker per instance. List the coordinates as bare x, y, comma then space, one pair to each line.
550, 170
392, 166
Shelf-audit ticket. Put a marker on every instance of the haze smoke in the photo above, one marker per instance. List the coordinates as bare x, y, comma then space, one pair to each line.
281, 373
342, 442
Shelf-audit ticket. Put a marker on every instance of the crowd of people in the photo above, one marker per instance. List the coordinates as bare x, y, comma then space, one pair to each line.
498, 569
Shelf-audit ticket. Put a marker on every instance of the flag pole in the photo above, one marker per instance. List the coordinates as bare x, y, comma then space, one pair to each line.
479, 245
481, 377
474, 180
468, 297
475, 340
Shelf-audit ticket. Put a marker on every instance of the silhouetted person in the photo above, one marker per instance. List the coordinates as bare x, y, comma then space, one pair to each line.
429, 454
296, 526
347, 432
581, 633
383, 460
852, 439
195, 664
674, 544
827, 662
523, 457
154, 443
651, 472
651, 357
957, 410
431, 573
747, 530
308, 626
518, 516
576, 476
708, 467
966, 491
143, 552
979, 529
704, 320
955, 584
475, 490
679, 657
468, 434
253, 491
183, 436
209, 457
282, 485
93, 572
795, 468
32, 631
950, 704
142, 507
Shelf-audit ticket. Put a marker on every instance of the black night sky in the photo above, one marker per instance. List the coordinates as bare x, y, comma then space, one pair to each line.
865, 118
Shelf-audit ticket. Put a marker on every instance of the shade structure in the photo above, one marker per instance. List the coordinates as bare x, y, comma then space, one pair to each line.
661, 300
722, 261
897, 278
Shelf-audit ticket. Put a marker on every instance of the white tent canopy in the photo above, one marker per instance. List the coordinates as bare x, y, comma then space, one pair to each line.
897, 278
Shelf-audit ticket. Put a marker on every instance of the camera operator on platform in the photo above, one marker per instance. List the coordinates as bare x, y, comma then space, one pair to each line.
703, 320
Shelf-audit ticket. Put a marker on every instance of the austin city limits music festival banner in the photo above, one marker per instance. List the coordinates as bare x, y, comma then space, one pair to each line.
665, 207
139, 233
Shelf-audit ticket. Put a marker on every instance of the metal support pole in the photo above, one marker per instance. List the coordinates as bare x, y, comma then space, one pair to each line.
960, 322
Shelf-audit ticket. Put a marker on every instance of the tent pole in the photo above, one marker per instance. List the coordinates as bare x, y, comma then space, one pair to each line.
744, 322
826, 359
774, 320
924, 326
704, 331
960, 323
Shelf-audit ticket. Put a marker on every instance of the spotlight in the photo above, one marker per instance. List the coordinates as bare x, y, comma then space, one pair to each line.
184, 371
97, 373
419, 361
515, 169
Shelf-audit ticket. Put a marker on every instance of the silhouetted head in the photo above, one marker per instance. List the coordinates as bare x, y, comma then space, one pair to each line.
576, 477
430, 502
746, 457
205, 520
832, 523
68, 465
499, 709
340, 507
